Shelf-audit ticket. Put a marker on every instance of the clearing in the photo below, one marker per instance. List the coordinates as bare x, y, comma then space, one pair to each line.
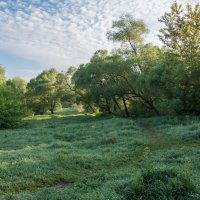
87, 157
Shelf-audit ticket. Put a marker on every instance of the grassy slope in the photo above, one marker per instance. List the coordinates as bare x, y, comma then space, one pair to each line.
93, 156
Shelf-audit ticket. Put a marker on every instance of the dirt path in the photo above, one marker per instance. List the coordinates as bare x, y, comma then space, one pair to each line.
159, 139
61, 184
151, 133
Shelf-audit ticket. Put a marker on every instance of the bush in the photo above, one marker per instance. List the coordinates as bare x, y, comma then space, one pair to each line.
165, 184
10, 108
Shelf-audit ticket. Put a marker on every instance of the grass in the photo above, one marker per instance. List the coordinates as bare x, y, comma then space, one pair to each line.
71, 156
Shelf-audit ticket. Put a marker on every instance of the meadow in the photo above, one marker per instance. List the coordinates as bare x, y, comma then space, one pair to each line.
71, 156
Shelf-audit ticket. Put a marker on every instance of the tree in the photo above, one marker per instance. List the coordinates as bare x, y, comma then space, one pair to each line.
10, 107
181, 33
181, 36
111, 83
46, 90
128, 30
18, 84
71, 71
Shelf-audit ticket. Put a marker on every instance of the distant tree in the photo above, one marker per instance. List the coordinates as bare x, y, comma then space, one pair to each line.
46, 90
18, 84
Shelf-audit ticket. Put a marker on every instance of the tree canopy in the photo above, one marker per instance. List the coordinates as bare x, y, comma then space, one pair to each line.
138, 78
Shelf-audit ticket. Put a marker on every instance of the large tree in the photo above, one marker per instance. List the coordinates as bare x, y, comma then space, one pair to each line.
131, 31
112, 82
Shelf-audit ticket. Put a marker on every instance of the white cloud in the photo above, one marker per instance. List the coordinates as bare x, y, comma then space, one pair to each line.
67, 32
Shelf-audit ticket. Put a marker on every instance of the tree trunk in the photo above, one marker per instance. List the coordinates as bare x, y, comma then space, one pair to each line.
43, 108
114, 108
125, 107
108, 106
92, 109
117, 104
151, 105
52, 107
136, 53
146, 101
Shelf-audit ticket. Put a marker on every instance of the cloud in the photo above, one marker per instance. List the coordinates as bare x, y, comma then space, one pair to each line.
67, 32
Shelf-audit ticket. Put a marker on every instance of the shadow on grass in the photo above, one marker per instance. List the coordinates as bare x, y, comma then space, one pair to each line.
56, 119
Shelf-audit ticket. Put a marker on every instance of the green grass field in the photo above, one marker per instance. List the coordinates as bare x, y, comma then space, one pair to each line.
86, 157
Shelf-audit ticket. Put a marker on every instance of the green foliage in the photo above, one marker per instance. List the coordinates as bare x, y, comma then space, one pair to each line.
46, 90
113, 83
10, 107
163, 184
126, 29
138, 79
143, 79
181, 35
18, 84
2, 75
182, 30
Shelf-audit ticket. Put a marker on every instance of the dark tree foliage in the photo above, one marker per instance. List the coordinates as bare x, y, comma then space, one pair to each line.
181, 36
10, 107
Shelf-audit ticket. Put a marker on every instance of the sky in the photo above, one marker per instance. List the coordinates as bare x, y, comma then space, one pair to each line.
39, 34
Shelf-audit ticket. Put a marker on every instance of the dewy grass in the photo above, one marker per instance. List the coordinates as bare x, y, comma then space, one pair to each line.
166, 184
91, 156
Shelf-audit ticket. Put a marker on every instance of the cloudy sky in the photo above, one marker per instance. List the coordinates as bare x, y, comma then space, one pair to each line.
39, 34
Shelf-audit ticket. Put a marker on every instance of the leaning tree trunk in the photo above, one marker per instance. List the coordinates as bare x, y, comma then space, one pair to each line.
125, 107
146, 101
108, 106
117, 104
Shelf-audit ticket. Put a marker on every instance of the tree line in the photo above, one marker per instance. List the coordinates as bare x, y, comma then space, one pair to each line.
138, 78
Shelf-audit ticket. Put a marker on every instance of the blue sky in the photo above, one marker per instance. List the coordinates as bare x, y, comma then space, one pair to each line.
39, 34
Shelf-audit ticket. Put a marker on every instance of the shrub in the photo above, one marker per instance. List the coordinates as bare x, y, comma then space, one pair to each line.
165, 184
10, 108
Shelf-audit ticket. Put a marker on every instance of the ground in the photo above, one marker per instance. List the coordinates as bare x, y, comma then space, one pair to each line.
86, 157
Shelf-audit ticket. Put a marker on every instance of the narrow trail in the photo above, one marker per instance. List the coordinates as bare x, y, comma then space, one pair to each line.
151, 133
160, 140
